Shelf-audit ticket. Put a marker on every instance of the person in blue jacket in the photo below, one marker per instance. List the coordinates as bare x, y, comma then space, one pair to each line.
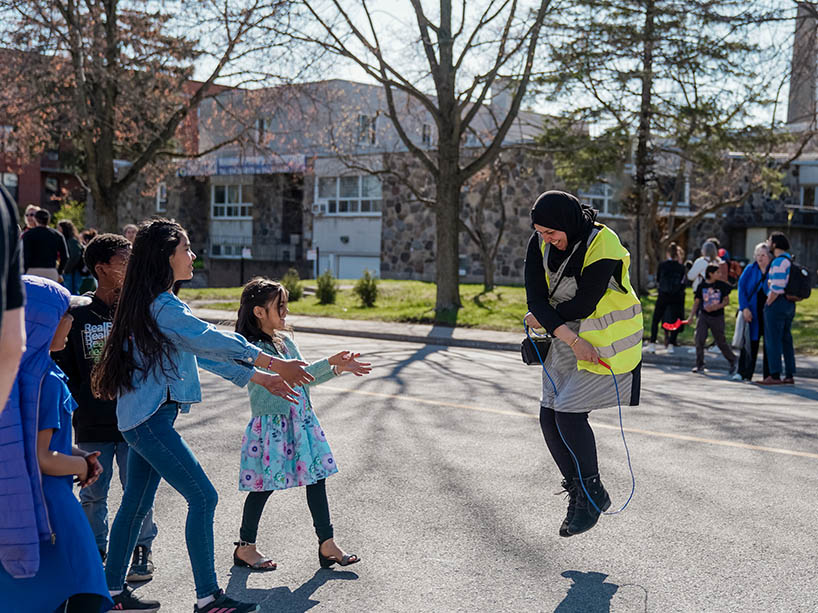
752, 295
150, 365
49, 558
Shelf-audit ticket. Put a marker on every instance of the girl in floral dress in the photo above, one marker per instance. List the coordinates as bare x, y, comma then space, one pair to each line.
283, 445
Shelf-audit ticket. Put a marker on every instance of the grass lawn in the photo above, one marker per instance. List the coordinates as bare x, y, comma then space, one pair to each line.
501, 309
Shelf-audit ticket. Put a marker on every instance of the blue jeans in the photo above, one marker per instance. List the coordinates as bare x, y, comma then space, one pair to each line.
71, 281
778, 318
158, 452
94, 498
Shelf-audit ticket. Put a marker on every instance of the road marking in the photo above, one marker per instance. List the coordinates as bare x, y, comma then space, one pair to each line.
670, 435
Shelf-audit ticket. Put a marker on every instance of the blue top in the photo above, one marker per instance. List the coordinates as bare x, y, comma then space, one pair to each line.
751, 281
224, 353
24, 521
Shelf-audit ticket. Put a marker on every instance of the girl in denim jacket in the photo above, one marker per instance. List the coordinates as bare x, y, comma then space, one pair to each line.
283, 445
150, 365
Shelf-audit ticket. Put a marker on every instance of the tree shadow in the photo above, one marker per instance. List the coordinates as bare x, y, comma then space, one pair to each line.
282, 599
589, 593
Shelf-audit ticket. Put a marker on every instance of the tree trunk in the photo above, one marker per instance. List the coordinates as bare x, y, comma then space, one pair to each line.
488, 271
101, 211
447, 222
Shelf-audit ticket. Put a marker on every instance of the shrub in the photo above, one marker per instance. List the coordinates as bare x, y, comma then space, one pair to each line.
367, 289
292, 282
327, 288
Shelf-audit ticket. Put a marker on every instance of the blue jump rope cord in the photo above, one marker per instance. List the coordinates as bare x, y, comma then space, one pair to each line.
571, 451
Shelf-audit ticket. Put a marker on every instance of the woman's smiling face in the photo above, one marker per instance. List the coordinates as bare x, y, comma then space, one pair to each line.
557, 238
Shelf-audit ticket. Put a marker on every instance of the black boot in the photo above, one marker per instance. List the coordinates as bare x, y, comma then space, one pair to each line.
570, 488
585, 514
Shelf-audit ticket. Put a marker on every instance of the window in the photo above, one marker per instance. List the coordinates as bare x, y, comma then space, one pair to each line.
426, 134
366, 129
350, 195
10, 182
7, 139
808, 194
161, 197
231, 201
667, 190
600, 197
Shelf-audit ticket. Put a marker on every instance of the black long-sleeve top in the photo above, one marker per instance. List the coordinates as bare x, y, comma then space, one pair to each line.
42, 246
591, 285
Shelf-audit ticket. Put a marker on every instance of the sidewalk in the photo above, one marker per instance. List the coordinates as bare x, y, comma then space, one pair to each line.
806, 366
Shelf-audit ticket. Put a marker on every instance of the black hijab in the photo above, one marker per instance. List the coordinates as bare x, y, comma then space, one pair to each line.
564, 212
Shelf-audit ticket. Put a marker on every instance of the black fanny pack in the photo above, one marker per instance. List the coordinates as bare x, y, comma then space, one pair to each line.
534, 349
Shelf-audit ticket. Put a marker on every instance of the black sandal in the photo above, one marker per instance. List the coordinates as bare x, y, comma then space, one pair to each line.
258, 566
328, 561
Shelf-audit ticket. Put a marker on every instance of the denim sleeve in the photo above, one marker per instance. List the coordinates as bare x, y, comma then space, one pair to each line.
235, 372
204, 340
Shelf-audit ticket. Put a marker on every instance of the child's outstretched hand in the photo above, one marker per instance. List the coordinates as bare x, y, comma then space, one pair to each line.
276, 385
346, 361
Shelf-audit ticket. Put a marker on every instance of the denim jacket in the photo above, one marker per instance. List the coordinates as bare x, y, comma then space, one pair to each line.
224, 353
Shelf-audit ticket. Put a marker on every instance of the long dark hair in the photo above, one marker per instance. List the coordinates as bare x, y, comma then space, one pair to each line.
68, 229
134, 328
258, 292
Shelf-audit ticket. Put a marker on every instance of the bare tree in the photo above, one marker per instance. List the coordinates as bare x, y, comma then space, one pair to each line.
115, 78
501, 37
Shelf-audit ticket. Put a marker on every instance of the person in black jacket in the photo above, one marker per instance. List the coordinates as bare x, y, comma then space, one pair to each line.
95, 423
670, 303
44, 249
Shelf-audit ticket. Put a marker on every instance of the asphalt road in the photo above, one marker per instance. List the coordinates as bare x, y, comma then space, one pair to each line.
445, 490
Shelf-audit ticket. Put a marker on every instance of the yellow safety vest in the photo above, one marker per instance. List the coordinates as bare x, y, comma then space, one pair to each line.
615, 327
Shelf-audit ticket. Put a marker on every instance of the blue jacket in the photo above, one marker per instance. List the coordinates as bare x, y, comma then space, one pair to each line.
749, 283
225, 353
23, 515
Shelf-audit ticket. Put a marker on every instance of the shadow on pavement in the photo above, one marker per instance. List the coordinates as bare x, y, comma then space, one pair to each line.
589, 593
282, 599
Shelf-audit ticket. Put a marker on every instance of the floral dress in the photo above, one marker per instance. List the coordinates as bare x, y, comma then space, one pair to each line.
283, 451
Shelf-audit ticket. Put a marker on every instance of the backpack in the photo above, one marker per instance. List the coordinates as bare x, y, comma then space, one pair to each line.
799, 285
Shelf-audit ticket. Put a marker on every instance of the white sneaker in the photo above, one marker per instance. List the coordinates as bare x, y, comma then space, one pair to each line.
691, 350
650, 348
714, 350
671, 349
736, 377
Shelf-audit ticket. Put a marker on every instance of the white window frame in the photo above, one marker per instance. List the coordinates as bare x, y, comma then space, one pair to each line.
216, 213
324, 205
601, 192
162, 197
367, 129
684, 202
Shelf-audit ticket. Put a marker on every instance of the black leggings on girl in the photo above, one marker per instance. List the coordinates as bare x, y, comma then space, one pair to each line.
316, 501
579, 436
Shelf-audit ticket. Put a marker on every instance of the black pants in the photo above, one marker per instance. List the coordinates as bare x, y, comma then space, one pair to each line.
669, 307
580, 438
81, 603
747, 361
316, 501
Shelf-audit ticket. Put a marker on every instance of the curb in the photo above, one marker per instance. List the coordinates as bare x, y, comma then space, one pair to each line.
716, 363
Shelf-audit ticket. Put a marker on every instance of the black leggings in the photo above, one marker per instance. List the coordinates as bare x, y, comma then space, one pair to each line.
579, 436
316, 501
669, 307
82, 603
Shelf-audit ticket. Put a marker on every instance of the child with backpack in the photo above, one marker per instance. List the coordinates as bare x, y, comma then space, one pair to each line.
284, 445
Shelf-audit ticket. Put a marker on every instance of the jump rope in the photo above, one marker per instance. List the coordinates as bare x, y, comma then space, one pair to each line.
567, 446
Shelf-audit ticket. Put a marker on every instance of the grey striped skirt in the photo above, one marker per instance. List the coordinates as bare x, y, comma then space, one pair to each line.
579, 391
